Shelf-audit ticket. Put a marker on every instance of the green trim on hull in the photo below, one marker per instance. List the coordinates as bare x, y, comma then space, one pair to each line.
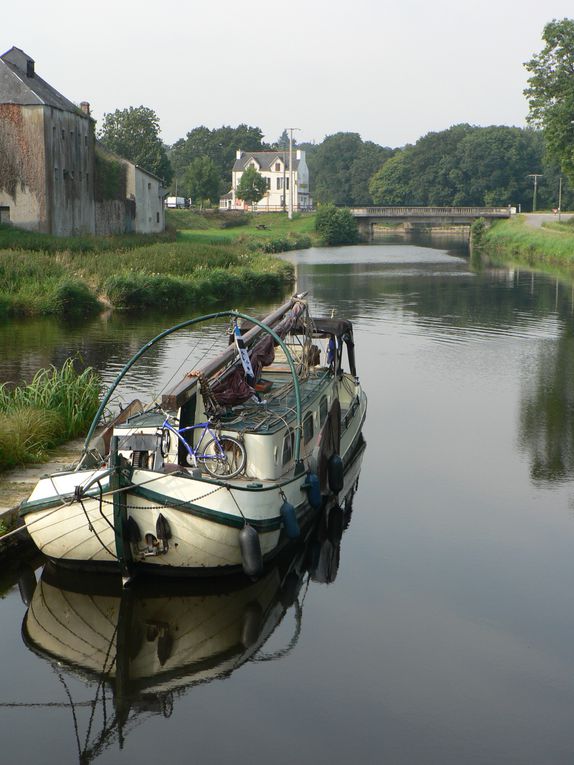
216, 516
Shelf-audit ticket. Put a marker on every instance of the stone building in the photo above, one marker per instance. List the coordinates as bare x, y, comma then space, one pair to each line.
46, 153
54, 177
128, 198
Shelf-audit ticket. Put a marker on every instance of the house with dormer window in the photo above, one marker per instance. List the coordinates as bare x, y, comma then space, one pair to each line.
273, 166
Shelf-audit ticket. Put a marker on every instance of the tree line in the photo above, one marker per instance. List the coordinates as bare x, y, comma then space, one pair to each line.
462, 165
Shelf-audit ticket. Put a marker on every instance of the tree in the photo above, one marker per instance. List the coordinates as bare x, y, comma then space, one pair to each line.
391, 184
330, 168
252, 186
463, 165
219, 145
133, 134
550, 92
341, 166
202, 180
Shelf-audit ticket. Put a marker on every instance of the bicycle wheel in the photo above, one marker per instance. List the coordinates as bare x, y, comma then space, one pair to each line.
224, 457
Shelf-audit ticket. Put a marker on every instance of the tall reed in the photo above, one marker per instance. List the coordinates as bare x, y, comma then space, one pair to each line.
57, 405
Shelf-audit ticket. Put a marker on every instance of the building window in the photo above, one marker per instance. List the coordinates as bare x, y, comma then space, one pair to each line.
277, 167
4, 215
149, 187
157, 217
56, 176
279, 183
63, 134
268, 182
85, 140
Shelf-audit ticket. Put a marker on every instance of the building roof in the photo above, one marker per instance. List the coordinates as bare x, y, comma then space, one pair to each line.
19, 84
265, 159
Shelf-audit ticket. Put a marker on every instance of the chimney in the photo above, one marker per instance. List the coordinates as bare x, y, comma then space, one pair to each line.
85, 107
29, 67
238, 154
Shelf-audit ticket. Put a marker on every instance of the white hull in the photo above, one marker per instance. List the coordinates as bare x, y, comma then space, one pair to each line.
84, 532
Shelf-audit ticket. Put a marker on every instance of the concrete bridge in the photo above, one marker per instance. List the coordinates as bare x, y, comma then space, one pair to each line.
425, 217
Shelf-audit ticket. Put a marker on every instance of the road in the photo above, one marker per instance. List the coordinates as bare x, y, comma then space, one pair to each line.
537, 219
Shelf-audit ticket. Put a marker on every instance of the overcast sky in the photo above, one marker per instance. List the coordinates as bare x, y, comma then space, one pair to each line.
391, 71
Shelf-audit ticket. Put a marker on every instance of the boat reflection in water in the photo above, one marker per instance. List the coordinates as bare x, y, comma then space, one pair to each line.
143, 646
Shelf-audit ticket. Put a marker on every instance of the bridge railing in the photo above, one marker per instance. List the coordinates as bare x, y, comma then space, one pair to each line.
431, 212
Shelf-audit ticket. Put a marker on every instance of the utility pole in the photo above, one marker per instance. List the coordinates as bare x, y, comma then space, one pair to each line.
290, 213
535, 177
560, 199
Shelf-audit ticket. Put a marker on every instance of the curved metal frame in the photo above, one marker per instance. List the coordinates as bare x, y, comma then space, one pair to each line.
188, 323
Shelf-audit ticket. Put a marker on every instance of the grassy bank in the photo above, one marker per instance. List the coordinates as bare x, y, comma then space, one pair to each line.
56, 406
550, 246
211, 257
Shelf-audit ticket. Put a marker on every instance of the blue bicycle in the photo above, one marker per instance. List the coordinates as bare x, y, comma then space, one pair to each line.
222, 456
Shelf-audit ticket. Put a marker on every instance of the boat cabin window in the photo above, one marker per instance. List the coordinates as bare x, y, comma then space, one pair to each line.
323, 410
308, 428
288, 443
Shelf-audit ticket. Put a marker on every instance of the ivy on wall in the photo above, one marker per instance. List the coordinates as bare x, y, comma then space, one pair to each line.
110, 178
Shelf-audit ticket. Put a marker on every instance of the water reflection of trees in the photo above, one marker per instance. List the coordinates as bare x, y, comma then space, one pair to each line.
449, 292
105, 343
547, 413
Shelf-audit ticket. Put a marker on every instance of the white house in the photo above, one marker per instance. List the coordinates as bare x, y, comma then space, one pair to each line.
274, 167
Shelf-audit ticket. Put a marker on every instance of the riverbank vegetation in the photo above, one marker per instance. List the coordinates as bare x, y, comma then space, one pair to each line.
549, 246
208, 261
56, 406
336, 225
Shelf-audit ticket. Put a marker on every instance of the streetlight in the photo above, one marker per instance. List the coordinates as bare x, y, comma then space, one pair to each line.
290, 213
535, 176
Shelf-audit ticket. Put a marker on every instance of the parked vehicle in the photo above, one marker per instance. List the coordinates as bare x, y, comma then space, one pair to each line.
176, 202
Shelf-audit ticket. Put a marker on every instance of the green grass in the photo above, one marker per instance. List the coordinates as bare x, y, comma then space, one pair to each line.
551, 246
56, 406
41, 275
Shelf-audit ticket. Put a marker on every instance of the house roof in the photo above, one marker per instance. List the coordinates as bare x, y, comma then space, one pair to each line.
19, 84
265, 159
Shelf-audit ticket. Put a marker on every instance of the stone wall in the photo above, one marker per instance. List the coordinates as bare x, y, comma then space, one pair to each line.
113, 216
23, 167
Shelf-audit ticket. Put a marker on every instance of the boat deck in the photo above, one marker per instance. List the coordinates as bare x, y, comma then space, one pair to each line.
278, 406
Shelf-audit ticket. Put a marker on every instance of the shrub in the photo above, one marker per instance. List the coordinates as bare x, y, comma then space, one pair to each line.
336, 225
137, 290
73, 298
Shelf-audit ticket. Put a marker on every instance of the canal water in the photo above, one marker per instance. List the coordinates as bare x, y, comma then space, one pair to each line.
439, 628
